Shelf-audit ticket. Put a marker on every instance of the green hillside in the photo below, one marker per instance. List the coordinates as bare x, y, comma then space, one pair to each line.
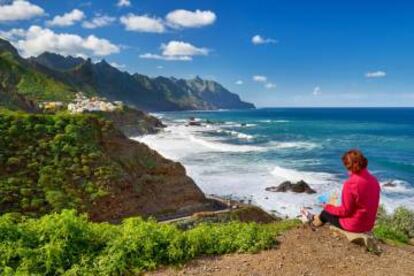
52, 162
17, 76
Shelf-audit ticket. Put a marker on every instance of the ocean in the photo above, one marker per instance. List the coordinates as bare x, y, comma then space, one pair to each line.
240, 153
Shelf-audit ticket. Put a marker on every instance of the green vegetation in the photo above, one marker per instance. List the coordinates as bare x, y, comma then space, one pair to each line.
51, 162
69, 244
16, 75
396, 228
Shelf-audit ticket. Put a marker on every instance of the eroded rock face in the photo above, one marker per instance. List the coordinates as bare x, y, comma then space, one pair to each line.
299, 187
151, 185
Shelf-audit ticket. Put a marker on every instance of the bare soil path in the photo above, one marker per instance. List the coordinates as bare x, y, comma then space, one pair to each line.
305, 252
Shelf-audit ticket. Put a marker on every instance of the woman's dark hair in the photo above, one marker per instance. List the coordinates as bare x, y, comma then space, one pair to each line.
354, 161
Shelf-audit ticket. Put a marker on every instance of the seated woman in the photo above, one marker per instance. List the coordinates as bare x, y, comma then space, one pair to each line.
360, 198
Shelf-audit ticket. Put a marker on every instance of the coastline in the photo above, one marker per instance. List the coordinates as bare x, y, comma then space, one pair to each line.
208, 162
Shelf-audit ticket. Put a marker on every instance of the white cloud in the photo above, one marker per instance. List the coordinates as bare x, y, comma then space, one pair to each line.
259, 78
375, 74
19, 10
160, 67
117, 65
123, 3
180, 48
270, 85
177, 50
316, 91
168, 58
36, 40
98, 21
258, 39
142, 23
264, 80
239, 82
190, 19
68, 19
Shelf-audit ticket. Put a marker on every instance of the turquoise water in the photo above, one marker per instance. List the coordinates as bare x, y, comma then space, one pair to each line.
242, 152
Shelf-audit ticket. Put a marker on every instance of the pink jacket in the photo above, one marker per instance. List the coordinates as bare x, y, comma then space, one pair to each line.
360, 200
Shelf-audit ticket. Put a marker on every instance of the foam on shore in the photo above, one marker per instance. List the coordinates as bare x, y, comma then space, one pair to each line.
224, 168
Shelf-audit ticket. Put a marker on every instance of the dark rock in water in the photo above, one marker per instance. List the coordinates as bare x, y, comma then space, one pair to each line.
390, 184
299, 187
194, 123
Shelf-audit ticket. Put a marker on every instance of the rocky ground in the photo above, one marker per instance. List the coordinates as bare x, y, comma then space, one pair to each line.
305, 252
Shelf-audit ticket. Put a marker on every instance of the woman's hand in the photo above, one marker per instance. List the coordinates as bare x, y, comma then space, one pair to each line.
333, 200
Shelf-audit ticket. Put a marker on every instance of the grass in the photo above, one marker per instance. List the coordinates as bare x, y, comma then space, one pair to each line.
66, 243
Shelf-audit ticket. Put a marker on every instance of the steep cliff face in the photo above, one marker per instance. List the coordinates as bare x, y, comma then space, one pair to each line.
151, 186
54, 162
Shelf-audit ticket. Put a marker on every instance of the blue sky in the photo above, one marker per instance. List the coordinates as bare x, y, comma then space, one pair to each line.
272, 53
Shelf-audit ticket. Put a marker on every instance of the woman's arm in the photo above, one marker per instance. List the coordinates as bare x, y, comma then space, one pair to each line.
348, 204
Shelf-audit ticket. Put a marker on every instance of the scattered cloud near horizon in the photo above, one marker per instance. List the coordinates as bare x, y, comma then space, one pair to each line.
259, 78
67, 19
20, 10
36, 40
123, 3
239, 82
270, 85
264, 80
375, 74
258, 39
117, 65
316, 91
177, 51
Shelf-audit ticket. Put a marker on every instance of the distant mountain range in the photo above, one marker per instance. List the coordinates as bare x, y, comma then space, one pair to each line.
23, 82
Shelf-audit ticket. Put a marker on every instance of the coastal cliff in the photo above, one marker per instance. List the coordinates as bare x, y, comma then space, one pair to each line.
54, 162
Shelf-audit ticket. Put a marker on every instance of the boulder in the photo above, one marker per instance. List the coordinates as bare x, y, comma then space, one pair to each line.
390, 184
299, 187
364, 239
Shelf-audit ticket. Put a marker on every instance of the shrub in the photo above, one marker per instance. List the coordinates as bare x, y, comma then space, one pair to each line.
56, 153
395, 228
68, 243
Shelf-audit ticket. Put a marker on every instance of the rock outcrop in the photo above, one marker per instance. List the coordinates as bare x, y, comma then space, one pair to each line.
299, 187
151, 185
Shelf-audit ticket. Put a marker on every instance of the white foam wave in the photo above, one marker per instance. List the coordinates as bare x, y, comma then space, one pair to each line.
274, 121
237, 134
247, 175
311, 177
397, 186
293, 145
222, 147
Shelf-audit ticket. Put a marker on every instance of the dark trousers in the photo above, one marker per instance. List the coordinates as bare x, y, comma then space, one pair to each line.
333, 220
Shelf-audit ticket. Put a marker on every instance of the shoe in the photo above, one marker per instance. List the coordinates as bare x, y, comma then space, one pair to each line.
305, 216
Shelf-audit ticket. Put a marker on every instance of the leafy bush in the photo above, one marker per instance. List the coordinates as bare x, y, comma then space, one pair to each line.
68, 243
397, 227
46, 159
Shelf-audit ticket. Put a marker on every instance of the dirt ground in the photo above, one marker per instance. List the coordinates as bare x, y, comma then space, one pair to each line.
305, 252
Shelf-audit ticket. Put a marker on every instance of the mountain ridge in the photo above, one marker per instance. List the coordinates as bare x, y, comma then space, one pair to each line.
144, 92
51, 76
